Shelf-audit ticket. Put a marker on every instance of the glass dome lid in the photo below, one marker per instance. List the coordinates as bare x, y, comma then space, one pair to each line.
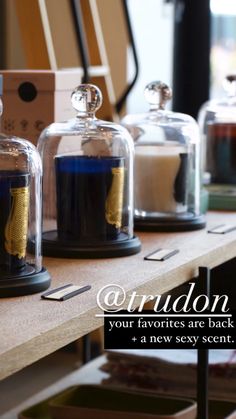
88, 183
21, 270
167, 165
217, 120
220, 109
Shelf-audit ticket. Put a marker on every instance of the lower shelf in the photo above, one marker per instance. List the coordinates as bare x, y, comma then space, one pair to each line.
88, 374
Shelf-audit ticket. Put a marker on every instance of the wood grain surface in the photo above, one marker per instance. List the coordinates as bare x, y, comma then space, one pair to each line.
32, 328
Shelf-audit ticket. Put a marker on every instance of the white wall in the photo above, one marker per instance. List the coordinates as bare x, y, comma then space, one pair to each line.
152, 22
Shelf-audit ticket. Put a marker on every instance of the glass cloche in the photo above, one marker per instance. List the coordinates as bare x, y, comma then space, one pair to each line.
21, 270
88, 184
167, 165
217, 120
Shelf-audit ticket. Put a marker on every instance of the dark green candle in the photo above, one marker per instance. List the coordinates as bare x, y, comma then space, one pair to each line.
221, 152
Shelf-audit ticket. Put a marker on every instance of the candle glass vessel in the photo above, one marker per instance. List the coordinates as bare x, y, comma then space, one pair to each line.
217, 120
21, 270
88, 184
167, 165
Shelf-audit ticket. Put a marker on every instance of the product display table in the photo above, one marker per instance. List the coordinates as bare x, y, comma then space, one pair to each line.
32, 328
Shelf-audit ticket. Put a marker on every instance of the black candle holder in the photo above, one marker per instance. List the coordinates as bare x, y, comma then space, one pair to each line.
167, 175
17, 275
88, 184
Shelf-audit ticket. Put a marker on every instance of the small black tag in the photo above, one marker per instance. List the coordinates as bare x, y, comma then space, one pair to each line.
161, 254
222, 229
65, 292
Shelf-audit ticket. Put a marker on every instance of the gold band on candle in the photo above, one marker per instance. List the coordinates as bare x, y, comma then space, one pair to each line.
17, 223
114, 202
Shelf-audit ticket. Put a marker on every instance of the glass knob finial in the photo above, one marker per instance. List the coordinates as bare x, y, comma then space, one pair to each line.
229, 84
86, 98
157, 94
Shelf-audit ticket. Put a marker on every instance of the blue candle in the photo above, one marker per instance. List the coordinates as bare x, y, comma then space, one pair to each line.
90, 194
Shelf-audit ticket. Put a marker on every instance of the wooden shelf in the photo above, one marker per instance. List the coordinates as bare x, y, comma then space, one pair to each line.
32, 328
93, 71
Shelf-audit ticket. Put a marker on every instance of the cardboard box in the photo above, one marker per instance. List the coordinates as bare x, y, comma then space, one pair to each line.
33, 99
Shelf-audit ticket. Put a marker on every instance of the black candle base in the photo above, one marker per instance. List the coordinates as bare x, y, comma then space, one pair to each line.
53, 247
24, 284
169, 225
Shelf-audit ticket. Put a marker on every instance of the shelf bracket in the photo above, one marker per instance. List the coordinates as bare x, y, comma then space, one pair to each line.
203, 357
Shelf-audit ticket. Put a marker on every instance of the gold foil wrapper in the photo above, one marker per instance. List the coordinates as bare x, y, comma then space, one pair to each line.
114, 201
17, 224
